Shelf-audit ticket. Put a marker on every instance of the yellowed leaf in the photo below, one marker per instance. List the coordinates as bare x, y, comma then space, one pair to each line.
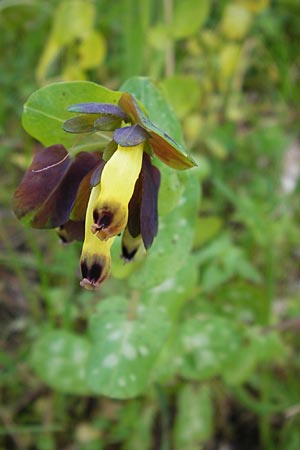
92, 50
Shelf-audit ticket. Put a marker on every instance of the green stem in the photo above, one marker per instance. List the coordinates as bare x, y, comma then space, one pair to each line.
133, 305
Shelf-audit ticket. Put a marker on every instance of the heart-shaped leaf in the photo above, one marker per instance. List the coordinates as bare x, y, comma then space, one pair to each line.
124, 349
59, 358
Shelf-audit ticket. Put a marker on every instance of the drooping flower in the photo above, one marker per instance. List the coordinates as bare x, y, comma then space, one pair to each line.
96, 196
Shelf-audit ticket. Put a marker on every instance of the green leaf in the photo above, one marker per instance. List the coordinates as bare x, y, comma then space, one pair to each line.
59, 358
173, 242
259, 348
207, 228
72, 20
194, 419
207, 346
123, 350
183, 92
170, 190
43, 117
173, 291
221, 260
189, 16
242, 301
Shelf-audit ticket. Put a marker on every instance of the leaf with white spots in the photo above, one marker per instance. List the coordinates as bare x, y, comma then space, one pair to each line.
207, 346
59, 358
175, 290
123, 350
47, 109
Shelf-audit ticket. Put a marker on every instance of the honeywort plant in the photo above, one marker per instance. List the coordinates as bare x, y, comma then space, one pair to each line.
96, 195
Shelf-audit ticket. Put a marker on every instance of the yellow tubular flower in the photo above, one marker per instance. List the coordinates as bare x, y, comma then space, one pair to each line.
118, 178
95, 257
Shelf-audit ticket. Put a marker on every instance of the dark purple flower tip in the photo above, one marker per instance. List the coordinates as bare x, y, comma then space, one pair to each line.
109, 220
99, 108
130, 245
94, 270
130, 136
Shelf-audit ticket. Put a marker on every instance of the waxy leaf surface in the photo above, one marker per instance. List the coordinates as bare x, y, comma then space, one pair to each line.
124, 349
60, 358
47, 109
208, 346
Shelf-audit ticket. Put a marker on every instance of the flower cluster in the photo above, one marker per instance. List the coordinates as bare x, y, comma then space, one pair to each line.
96, 196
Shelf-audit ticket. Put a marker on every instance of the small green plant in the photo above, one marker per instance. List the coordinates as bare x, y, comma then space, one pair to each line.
97, 178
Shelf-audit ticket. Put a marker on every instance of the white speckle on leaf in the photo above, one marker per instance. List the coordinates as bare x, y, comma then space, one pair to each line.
129, 351
57, 346
115, 335
79, 356
291, 168
122, 382
178, 361
198, 340
110, 360
207, 358
141, 309
144, 351
166, 286
132, 377
108, 326
54, 368
182, 201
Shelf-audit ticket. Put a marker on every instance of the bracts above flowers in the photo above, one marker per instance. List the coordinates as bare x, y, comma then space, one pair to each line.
96, 196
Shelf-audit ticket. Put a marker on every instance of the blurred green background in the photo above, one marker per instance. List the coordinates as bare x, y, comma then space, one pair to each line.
231, 72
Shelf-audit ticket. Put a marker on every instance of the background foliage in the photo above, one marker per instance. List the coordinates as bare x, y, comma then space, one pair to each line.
206, 330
